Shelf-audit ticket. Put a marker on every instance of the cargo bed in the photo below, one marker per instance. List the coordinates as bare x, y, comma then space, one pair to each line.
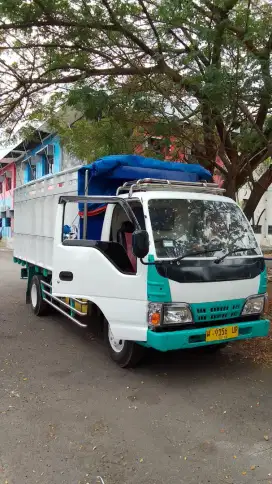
35, 206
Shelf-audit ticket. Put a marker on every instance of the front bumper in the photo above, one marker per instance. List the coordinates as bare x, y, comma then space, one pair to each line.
193, 338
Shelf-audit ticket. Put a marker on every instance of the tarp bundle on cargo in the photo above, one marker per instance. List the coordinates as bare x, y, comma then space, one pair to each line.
107, 174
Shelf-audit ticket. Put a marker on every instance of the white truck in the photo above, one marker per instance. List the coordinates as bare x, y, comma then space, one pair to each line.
153, 251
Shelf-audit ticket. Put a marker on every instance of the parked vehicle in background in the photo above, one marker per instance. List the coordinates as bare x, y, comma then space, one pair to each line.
153, 251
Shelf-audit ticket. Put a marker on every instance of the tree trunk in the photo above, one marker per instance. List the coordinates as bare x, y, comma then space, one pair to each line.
258, 191
230, 187
230, 184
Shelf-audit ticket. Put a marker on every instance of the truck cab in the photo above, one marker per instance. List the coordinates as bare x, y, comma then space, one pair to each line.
200, 279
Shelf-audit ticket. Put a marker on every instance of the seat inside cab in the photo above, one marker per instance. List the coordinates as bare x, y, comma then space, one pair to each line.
122, 229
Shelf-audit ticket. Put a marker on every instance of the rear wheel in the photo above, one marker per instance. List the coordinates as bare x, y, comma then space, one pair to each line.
39, 306
126, 353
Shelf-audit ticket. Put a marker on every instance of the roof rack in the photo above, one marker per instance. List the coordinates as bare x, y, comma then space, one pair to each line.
149, 184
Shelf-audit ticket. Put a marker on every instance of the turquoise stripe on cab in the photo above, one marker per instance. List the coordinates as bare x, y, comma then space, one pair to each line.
158, 288
263, 282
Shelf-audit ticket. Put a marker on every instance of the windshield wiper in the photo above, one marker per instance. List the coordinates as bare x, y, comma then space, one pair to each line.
229, 252
187, 254
192, 254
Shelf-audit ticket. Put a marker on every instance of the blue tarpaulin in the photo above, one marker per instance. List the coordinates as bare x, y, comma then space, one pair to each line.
107, 174
111, 171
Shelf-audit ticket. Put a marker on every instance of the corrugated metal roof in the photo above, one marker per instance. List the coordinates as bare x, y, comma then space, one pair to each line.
20, 147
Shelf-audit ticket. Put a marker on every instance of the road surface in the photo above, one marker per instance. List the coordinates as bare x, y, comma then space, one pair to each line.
69, 414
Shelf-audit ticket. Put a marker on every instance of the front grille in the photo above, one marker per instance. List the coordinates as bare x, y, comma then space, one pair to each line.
216, 311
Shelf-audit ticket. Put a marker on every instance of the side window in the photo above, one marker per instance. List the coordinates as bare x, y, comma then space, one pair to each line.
139, 214
119, 217
71, 222
118, 250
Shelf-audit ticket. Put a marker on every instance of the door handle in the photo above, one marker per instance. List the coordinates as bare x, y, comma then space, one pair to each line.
66, 276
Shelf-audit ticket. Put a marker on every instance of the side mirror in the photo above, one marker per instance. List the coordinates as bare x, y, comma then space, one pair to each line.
140, 243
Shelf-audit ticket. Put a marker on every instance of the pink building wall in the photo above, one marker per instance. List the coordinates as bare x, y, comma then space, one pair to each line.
7, 185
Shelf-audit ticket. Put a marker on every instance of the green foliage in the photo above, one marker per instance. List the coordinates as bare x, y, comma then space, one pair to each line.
198, 71
90, 140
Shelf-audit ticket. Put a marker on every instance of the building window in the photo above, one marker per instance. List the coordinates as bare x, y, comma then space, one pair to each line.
32, 172
32, 168
1, 187
257, 229
8, 222
48, 157
270, 229
157, 144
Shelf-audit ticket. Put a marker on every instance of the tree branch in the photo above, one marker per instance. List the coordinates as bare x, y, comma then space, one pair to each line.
127, 32
114, 71
214, 14
251, 119
258, 191
151, 23
266, 93
226, 141
250, 165
58, 23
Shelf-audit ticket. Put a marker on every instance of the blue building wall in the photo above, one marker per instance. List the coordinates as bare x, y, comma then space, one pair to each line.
6, 222
6, 230
40, 166
8, 182
24, 175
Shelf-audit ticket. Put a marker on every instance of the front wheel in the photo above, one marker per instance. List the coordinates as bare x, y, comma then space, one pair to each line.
126, 353
39, 306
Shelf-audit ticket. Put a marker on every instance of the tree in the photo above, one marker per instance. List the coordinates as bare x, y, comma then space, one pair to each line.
207, 63
94, 123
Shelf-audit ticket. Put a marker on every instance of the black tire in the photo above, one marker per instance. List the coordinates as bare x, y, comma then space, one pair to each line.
39, 306
129, 355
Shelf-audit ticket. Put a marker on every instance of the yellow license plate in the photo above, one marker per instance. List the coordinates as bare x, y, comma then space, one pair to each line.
219, 334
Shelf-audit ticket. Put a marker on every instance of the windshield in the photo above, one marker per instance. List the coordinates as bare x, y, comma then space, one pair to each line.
180, 226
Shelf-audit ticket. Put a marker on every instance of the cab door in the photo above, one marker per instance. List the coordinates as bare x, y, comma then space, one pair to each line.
100, 271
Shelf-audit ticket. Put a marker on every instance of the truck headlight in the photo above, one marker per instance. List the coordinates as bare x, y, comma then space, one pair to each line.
168, 314
254, 305
177, 314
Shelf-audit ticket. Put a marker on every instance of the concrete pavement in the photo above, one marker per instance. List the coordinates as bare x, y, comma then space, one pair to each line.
69, 414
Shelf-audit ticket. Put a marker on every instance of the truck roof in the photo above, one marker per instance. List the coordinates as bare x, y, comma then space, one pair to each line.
151, 184
163, 194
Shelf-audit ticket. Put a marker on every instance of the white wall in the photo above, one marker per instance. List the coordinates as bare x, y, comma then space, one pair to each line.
69, 160
35, 207
264, 211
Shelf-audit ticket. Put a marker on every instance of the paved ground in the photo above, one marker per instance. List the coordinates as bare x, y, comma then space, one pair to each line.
69, 414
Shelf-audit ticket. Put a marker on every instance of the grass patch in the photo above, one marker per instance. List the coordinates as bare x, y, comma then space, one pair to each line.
259, 350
